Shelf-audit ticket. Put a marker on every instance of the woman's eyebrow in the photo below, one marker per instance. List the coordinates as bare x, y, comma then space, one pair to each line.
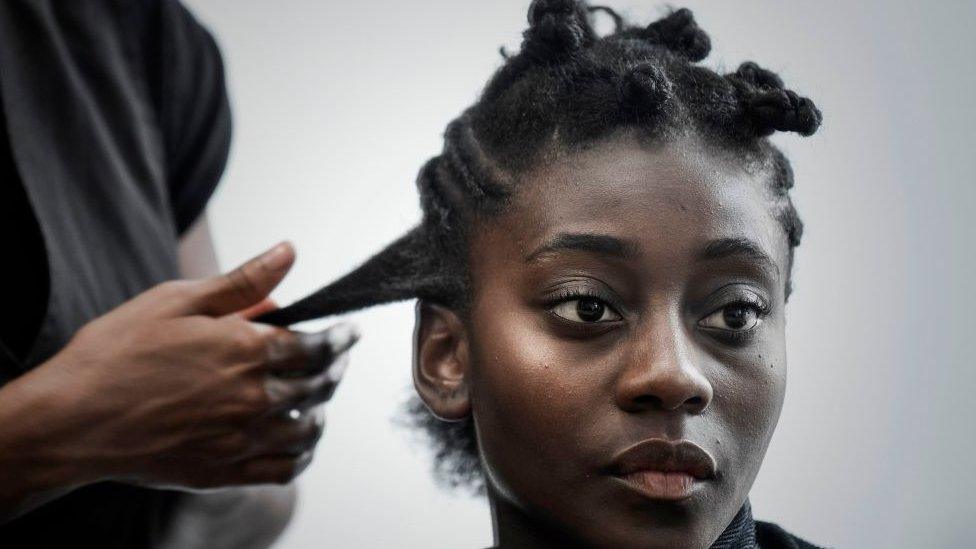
588, 242
742, 247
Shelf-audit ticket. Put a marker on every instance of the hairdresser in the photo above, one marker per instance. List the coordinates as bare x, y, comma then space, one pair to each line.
136, 409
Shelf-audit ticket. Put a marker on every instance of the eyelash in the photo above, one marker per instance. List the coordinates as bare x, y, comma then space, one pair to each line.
569, 294
762, 308
729, 337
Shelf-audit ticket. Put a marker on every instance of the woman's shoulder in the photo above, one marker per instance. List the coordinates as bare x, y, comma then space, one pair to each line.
772, 536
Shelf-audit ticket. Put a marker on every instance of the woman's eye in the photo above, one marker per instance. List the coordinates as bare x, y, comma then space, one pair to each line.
586, 309
736, 317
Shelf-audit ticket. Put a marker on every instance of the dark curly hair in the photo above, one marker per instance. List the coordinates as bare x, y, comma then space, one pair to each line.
566, 88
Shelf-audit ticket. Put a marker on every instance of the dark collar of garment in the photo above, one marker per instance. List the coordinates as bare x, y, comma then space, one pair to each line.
740, 533
745, 533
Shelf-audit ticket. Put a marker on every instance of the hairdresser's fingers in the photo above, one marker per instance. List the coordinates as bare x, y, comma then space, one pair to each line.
285, 356
291, 432
324, 346
305, 392
265, 305
324, 392
245, 286
280, 469
299, 354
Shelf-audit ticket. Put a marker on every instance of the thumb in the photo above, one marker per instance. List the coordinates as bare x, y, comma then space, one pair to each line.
265, 305
246, 285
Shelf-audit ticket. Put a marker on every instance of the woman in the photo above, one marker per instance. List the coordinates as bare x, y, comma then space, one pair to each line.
602, 271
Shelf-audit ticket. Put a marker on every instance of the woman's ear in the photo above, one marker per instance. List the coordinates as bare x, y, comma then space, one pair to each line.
441, 361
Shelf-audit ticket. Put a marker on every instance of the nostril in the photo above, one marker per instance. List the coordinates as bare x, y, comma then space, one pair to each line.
696, 404
653, 401
649, 400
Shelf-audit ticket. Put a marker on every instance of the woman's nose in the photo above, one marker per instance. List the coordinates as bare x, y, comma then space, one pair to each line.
661, 374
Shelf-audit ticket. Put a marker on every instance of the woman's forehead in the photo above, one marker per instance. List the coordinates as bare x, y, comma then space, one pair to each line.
670, 199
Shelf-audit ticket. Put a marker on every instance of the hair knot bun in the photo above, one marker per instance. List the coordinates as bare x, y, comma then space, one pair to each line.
679, 33
645, 90
783, 110
557, 30
559, 8
756, 76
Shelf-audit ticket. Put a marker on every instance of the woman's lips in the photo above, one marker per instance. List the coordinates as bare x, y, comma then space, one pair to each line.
661, 485
663, 469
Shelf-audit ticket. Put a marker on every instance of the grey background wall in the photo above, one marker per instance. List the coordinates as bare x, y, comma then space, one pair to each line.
337, 104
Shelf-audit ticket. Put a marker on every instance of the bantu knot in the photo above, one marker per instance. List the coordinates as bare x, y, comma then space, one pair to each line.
679, 33
558, 8
783, 110
645, 90
557, 29
757, 76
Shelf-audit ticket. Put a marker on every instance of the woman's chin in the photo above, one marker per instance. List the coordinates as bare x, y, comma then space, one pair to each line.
622, 514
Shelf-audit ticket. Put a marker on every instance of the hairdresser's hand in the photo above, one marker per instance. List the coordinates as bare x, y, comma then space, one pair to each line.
176, 388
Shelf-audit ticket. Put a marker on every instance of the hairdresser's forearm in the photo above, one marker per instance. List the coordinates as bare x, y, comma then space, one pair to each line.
35, 419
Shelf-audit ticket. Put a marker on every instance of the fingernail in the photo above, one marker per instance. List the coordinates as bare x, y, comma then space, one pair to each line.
277, 258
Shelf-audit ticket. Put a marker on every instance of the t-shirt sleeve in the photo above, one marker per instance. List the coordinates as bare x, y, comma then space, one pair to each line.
186, 77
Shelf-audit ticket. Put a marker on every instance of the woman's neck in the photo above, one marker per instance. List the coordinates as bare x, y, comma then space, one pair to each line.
514, 528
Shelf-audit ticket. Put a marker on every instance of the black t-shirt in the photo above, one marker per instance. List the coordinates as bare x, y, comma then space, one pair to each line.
169, 65
25, 278
116, 128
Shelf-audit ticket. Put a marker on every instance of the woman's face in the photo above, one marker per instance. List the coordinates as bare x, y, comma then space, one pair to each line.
626, 344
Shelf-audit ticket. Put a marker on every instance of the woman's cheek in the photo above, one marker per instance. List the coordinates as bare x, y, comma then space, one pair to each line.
529, 397
748, 398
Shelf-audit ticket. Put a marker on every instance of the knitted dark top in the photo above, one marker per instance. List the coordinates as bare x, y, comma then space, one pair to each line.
745, 533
